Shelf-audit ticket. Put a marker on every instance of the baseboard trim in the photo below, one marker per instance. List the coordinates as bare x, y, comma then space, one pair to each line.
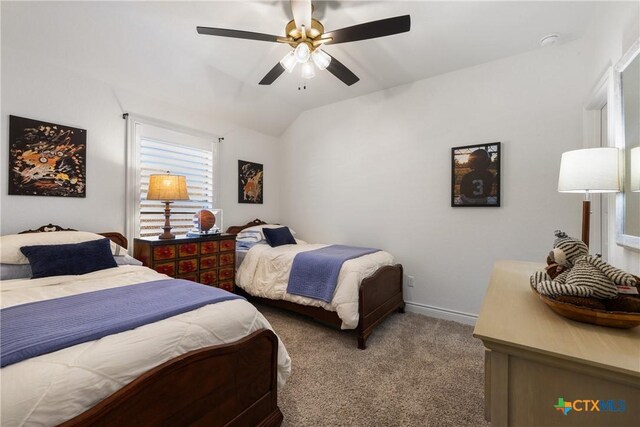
441, 313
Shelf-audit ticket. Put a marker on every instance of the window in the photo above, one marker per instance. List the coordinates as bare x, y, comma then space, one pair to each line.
159, 150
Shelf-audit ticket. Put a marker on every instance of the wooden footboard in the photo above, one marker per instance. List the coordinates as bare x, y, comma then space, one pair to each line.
380, 295
226, 385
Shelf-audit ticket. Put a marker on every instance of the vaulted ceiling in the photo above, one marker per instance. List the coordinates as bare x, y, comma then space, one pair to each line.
153, 48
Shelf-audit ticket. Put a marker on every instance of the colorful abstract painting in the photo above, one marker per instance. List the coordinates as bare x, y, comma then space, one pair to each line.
250, 182
46, 159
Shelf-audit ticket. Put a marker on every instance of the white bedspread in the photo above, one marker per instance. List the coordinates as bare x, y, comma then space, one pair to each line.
265, 273
49, 389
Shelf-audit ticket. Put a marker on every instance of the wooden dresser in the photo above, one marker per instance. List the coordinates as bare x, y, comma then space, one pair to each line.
209, 260
536, 357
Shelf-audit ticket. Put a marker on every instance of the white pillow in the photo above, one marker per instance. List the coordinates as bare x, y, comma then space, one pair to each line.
251, 236
126, 260
10, 244
257, 230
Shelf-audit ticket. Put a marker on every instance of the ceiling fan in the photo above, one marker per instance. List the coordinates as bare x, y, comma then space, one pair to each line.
307, 37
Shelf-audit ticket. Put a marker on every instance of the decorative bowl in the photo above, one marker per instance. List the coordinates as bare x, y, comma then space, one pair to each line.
612, 319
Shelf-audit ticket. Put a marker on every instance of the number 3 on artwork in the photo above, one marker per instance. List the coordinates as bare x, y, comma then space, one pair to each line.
478, 187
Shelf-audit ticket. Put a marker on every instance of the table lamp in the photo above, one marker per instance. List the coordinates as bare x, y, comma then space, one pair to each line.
591, 170
167, 188
635, 169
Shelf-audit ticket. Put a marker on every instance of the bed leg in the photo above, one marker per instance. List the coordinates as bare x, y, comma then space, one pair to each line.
401, 308
362, 342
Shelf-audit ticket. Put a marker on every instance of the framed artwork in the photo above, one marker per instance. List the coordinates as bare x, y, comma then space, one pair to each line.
475, 175
250, 188
46, 159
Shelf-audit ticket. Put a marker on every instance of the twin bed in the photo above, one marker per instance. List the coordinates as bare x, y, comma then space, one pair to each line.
217, 365
369, 287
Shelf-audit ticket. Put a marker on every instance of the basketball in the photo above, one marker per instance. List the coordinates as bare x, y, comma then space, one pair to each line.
204, 220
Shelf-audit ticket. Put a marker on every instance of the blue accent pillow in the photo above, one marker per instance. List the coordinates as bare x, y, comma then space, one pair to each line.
278, 236
69, 259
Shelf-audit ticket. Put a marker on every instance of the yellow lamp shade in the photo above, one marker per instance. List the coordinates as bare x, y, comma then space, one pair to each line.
167, 187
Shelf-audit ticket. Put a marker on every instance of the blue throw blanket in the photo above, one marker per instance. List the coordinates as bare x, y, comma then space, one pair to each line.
36, 328
314, 274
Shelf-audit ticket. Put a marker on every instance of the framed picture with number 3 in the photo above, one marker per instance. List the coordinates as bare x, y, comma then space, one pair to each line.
475, 175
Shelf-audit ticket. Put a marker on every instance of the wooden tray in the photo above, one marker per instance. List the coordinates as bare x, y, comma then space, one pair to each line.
612, 319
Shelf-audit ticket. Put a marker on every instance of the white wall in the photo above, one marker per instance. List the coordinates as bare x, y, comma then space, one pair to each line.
616, 27
34, 89
375, 171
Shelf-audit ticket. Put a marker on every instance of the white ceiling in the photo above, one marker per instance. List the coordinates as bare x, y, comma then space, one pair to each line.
153, 48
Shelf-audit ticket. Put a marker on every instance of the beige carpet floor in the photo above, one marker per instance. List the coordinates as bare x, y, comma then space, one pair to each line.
416, 371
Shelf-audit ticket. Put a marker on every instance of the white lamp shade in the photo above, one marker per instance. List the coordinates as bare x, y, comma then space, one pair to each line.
302, 52
596, 170
635, 169
321, 59
289, 62
167, 187
308, 71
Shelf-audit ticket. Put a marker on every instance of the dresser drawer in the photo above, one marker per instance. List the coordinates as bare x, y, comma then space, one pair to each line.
164, 252
209, 261
193, 277
208, 248
226, 273
168, 268
187, 250
228, 245
227, 258
209, 277
187, 266
227, 286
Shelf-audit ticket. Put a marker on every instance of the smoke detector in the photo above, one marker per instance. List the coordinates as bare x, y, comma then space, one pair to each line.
550, 39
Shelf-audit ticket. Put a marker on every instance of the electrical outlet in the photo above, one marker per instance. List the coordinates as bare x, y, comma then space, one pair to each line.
410, 281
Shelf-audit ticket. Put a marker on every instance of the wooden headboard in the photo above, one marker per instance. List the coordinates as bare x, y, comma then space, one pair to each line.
114, 236
235, 229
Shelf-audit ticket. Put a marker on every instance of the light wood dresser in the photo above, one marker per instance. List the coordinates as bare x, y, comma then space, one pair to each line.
535, 357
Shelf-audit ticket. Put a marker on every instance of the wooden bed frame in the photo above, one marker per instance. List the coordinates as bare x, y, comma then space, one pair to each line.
231, 385
379, 296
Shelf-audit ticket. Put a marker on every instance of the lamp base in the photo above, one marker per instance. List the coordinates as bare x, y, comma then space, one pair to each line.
167, 234
586, 217
167, 225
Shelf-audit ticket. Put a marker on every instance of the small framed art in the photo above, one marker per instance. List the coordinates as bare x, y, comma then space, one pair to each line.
475, 175
250, 189
46, 159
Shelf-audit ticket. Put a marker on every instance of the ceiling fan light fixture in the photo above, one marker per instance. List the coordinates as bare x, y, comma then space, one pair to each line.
302, 53
289, 61
321, 59
308, 71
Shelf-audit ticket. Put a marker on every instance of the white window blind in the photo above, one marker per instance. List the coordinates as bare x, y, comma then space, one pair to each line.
158, 151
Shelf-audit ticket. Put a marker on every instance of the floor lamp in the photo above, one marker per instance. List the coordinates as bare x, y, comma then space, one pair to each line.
592, 170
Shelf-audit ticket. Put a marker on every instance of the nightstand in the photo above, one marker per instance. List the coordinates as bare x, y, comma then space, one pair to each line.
209, 260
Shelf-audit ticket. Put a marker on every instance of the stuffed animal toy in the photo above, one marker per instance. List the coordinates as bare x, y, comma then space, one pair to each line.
583, 275
560, 259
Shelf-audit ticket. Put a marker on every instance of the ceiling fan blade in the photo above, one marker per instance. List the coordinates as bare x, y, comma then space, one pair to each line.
238, 34
272, 75
370, 30
301, 13
338, 69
